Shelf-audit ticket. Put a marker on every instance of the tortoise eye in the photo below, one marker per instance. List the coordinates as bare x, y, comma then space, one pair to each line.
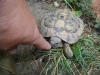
62, 17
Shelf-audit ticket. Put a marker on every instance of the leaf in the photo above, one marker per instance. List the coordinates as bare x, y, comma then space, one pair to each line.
97, 26
77, 13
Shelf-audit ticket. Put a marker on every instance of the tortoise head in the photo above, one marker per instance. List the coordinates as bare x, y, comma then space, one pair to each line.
55, 42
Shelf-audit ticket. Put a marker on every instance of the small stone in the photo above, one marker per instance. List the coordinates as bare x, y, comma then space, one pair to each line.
56, 4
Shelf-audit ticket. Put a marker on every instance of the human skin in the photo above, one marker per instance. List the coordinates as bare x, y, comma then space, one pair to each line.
96, 7
18, 26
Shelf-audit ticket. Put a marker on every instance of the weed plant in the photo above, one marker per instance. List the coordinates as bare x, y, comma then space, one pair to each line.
85, 10
86, 59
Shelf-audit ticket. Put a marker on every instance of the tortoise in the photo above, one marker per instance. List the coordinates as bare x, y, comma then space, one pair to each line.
63, 27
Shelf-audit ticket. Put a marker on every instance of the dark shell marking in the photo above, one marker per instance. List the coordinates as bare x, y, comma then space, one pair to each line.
63, 24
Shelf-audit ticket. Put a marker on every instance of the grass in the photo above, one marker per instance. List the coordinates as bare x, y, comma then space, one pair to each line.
82, 8
86, 59
85, 7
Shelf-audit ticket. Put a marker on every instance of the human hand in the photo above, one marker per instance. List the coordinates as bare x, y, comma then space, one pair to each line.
18, 26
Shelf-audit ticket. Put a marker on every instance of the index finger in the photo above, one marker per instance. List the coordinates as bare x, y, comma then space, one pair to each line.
41, 43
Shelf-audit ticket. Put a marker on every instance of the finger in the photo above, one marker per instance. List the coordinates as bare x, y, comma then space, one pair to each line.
41, 43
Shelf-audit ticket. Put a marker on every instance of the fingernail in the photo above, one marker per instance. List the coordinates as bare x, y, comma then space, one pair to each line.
48, 46
12, 51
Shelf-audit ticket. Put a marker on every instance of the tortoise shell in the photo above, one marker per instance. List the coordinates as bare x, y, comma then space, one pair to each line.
64, 24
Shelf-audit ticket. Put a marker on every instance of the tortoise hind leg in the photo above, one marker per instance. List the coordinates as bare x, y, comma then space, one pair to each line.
67, 50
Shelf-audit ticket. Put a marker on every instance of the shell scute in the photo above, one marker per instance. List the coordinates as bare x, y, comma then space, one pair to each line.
64, 24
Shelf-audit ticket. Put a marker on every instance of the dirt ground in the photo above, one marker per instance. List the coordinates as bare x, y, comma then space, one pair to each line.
39, 9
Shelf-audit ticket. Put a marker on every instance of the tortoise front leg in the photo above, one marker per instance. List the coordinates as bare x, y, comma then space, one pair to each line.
67, 50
